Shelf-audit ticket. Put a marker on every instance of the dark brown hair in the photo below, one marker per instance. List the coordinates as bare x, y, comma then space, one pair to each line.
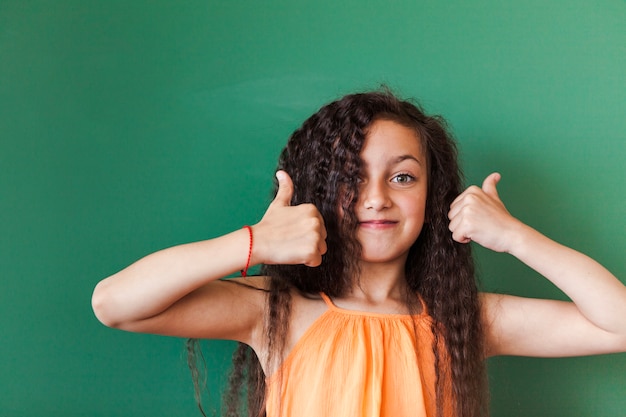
322, 158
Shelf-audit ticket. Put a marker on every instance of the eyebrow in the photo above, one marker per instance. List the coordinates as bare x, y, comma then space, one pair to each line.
399, 159
405, 157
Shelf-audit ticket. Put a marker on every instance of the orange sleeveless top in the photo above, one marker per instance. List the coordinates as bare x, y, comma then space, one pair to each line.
352, 363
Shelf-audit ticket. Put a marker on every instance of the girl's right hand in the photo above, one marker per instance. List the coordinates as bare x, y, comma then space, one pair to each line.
288, 234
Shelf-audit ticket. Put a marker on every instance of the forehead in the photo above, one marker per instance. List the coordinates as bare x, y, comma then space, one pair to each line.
387, 139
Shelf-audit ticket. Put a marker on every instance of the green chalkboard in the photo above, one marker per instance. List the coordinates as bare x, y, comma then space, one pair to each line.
130, 126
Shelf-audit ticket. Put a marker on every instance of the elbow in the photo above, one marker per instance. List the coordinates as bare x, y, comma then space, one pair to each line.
102, 304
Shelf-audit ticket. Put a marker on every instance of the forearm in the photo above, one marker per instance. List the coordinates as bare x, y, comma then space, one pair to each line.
152, 284
597, 293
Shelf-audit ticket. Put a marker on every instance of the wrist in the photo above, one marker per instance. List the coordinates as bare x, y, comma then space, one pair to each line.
521, 237
257, 249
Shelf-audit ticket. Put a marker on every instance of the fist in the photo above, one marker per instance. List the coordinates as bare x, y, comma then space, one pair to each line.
289, 234
479, 215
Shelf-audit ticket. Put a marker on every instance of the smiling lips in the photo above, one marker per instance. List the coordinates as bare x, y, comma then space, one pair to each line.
378, 224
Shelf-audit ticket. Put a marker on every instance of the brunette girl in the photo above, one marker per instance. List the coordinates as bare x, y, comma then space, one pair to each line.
366, 304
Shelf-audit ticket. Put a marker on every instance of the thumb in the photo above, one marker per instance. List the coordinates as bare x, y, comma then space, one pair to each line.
489, 185
285, 189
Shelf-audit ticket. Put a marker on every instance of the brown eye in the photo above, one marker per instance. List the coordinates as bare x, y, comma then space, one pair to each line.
403, 178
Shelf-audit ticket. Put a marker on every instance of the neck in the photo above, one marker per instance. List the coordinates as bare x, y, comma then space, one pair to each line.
379, 283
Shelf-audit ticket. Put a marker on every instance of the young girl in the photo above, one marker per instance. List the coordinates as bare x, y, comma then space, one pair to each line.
367, 304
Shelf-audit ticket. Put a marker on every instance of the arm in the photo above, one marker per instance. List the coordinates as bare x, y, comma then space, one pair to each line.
176, 291
594, 323
163, 292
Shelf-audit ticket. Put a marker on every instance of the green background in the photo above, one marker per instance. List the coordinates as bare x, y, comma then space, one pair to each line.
130, 126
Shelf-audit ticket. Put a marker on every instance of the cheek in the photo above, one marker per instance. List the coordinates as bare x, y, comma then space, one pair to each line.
416, 210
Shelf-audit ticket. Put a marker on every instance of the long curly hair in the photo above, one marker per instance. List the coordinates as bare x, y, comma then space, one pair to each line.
322, 158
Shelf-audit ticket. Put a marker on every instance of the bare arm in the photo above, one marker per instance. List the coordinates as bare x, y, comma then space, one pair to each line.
542, 328
152, 294
176, 291
595, 322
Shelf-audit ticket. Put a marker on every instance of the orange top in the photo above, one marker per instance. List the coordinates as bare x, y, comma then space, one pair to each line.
352, 363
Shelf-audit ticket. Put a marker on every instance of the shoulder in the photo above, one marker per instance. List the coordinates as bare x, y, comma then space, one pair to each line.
303, 308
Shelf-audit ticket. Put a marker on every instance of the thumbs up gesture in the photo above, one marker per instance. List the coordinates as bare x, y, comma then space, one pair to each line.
479, 215
289, 234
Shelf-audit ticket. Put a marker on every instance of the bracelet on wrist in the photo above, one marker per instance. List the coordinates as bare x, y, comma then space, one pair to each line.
244, 271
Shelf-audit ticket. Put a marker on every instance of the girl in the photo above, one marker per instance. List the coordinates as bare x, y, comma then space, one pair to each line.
366, 304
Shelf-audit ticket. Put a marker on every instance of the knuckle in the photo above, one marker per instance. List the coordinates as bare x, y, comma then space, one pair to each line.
323, 248
472, 198
314, 222
469, 211
311, 249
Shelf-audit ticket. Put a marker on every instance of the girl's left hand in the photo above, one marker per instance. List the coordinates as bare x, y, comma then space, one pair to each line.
479, 215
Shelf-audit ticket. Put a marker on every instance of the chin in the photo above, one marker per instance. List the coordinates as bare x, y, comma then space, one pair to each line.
381, 258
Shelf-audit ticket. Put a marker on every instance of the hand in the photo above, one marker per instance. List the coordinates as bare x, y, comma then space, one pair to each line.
479, 215
289, 234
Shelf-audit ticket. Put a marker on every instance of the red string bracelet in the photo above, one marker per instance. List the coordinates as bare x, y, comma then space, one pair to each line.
244, 272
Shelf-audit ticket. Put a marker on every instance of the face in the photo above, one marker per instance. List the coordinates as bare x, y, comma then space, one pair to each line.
392, 193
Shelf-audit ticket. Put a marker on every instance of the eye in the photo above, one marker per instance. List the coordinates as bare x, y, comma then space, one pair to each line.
403, 178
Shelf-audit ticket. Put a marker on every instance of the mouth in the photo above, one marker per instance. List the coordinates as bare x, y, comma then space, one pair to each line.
377, 224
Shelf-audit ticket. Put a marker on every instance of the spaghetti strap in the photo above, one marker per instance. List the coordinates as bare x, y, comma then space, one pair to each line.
328, 301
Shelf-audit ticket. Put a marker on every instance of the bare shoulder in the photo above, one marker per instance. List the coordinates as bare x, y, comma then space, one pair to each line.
305, 310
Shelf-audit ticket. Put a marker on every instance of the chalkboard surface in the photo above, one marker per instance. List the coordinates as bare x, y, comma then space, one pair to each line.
130, 126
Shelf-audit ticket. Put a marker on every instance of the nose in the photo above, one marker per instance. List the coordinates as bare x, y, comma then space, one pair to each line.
375, 196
